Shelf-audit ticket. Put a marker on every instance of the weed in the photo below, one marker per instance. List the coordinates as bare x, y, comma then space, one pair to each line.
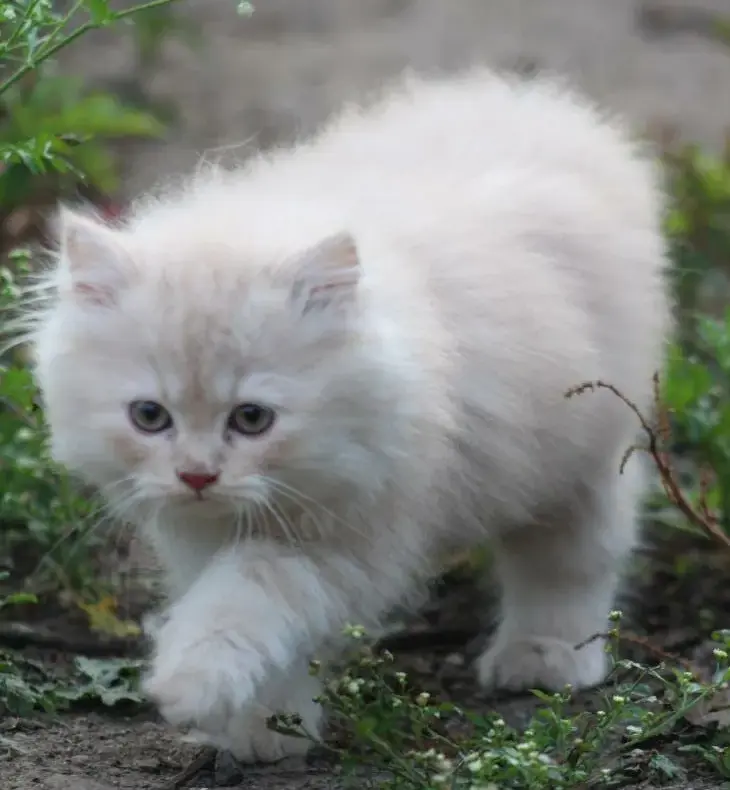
410, 740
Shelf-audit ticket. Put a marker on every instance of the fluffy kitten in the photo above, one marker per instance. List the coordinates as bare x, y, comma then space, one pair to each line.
303, 378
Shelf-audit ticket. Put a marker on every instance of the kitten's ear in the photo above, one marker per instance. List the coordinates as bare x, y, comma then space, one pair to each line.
93, 258
328, 273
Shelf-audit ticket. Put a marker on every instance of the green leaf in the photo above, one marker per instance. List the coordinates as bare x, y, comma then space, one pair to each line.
18, 598
100, 12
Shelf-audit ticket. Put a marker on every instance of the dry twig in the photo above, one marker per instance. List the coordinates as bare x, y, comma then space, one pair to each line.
657, 438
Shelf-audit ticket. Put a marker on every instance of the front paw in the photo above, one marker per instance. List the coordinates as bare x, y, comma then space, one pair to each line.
248, 737
521, 663
202, 684
250, 740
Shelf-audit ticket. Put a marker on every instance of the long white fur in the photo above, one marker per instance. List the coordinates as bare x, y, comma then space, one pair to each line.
508, 247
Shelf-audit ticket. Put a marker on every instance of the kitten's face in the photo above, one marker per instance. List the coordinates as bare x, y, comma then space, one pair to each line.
202, 381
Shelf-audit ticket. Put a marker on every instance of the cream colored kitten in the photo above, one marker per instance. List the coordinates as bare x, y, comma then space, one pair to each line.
303, 378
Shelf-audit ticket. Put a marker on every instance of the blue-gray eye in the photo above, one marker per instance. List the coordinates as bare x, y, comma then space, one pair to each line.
149, 416
251, 419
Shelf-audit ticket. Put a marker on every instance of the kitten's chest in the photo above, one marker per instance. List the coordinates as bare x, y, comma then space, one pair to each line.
186, 550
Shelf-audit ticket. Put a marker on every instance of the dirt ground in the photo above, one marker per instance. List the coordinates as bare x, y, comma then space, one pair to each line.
262, 80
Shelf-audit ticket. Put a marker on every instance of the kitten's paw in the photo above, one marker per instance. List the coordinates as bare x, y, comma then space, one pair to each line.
259, 744
248, 738
541, 662
202, 685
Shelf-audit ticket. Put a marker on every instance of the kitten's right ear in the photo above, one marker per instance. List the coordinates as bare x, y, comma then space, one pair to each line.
93, 258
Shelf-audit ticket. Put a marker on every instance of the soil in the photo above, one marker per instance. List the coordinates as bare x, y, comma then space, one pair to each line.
255, 82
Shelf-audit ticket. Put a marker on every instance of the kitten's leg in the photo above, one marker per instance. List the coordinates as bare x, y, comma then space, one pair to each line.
250, 621
559, 583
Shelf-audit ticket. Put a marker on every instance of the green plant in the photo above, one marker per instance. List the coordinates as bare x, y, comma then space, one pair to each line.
38, 503
698, 231
52, 128
412, 741
696, 391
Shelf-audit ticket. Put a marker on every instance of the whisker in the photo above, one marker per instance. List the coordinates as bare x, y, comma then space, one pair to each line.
300, 499
286, 526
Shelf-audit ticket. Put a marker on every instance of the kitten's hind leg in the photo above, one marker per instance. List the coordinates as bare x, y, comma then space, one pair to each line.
559, 581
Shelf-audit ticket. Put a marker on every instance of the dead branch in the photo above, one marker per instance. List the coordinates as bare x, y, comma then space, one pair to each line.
656, 439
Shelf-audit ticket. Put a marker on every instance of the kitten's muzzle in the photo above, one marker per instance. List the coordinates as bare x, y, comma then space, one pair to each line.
198, 481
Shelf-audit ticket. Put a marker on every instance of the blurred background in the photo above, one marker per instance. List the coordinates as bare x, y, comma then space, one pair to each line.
231, 78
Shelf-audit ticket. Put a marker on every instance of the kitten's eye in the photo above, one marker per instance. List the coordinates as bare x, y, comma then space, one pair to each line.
148, 416
251, 419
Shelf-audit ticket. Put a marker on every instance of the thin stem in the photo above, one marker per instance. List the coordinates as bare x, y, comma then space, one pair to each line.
58, 29
50, 51
20, 27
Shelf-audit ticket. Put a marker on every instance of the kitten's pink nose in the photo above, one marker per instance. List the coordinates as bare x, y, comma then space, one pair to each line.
196, 480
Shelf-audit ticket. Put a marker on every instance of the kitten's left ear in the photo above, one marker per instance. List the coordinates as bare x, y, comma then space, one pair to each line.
328, 273
93, 258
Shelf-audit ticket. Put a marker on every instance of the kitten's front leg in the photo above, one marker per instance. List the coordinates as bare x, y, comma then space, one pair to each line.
252, 617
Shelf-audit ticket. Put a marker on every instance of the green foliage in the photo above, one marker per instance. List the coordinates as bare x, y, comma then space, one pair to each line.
414, 742
38, 504
109, 681
696, 381
27, 686
697, 393
53, 126
698, 230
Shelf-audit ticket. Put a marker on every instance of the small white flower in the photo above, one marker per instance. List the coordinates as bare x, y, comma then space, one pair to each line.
422, 699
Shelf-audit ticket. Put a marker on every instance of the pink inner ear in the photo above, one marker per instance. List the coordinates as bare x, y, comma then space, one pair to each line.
330, 271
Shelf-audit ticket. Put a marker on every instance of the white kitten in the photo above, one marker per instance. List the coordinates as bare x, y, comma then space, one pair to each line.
303, 378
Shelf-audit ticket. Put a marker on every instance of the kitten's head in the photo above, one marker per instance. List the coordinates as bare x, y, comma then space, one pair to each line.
181, 368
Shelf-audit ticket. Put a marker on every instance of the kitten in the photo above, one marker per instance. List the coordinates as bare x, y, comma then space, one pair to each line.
303, 378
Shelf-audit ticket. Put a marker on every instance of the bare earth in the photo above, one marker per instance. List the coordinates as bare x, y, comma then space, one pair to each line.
262, 80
